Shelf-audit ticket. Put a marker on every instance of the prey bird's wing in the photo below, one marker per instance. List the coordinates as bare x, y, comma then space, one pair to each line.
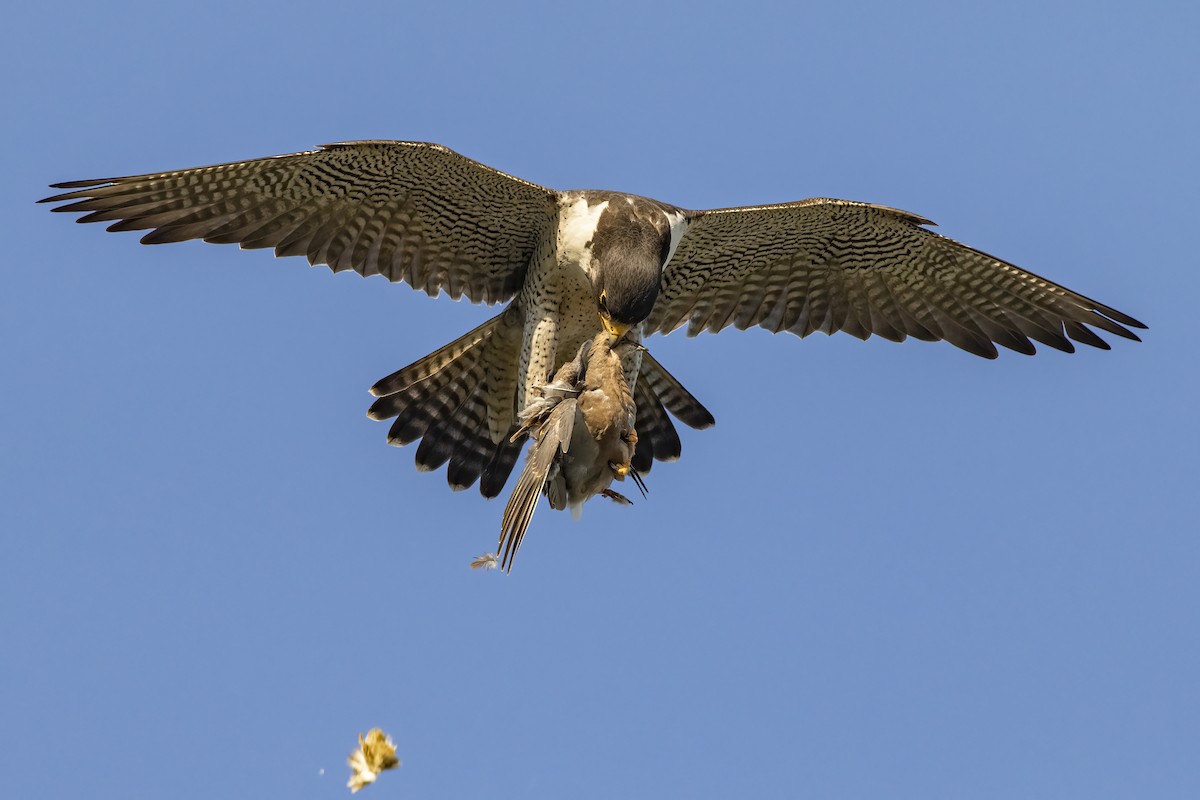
410, 211
553, 437
829, 265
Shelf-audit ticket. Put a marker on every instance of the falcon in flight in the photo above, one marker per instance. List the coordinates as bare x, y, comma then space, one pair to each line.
570, 264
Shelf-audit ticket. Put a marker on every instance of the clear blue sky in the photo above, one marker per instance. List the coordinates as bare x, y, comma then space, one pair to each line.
889, 571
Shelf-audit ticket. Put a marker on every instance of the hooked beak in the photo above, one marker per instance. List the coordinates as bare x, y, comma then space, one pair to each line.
614, 328
620, 470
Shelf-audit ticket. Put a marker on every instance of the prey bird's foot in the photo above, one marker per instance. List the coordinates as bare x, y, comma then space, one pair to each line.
616, 497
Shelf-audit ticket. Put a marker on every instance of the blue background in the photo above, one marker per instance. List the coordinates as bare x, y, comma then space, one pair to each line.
889, 571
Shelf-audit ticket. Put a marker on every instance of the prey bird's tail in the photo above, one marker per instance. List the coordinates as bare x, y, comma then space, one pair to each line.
460, 401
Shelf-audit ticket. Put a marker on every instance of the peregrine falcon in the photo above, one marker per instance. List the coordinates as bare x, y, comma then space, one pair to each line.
572, 263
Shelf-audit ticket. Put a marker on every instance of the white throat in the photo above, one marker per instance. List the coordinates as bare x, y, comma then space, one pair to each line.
577, 225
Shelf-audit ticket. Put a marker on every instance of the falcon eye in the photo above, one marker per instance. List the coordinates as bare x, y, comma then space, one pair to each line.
604, 302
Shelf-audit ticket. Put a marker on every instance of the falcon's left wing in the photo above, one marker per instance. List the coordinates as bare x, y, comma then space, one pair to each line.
829, 265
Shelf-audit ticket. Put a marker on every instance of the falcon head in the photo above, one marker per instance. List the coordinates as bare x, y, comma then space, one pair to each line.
619, 311
631, 244
626, 287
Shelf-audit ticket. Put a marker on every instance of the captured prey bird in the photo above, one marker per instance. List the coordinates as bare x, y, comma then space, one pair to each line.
583, 438
570, 264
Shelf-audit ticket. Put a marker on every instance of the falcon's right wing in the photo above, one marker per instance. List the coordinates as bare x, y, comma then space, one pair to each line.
410, 211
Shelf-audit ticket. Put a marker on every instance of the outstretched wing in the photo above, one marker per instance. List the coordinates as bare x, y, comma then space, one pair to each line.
829, 265
410, 211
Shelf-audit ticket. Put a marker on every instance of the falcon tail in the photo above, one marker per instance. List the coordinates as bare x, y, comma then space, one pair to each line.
656, 393
460, 401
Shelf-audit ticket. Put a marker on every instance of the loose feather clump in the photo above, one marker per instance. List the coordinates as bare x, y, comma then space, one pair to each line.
485, 561
375, 754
